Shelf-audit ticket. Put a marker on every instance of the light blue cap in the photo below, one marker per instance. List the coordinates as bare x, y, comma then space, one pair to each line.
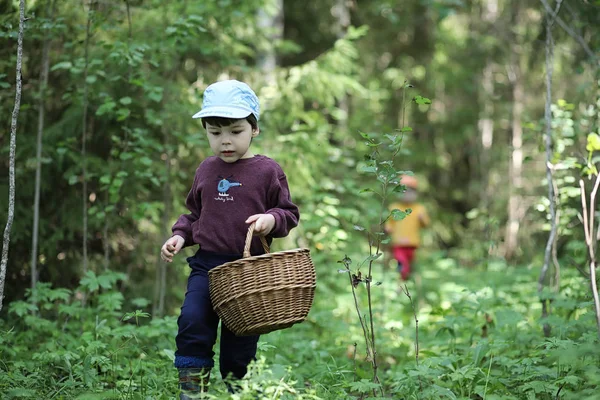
229, 99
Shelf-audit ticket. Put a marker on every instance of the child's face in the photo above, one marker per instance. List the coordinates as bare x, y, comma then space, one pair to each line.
231, 143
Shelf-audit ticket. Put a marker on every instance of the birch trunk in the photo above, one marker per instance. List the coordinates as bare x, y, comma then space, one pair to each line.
12, 150
271, 21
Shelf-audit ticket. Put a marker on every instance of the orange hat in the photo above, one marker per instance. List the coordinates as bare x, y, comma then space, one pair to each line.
409, 181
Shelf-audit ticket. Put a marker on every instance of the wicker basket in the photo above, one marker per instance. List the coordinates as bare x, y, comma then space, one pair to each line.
261, 294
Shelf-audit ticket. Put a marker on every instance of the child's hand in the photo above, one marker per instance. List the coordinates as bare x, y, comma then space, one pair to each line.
171, 247
264, 223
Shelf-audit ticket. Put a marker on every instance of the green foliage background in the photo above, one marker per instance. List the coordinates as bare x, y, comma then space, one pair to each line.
149, 62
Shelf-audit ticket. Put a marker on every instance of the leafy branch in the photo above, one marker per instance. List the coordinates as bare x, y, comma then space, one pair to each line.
379, 163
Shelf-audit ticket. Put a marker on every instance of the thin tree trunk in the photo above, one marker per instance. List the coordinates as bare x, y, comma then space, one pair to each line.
84, 137
38, 167
130, 35
515, 202
272, 23
161, 283
489, 14
549, 176
486, 128
588, 226
515, 177
109, 215
341, 12
106, 244
13, 147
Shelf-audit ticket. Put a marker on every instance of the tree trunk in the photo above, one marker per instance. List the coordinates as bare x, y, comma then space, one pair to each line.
341, 13
515, 171
38, 167
84, 137
489, 15
272, 23
13, 147
542, 281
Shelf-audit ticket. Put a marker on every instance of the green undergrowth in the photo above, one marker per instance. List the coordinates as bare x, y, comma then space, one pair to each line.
480, 337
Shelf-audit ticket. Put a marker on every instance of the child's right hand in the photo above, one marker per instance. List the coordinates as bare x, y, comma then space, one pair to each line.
171, 247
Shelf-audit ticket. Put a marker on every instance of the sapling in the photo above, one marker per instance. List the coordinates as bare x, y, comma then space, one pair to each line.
380, 165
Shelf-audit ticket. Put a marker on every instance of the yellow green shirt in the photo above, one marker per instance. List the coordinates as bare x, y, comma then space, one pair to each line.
407, 232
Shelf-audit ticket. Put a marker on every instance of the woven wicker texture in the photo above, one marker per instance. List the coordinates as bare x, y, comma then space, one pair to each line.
261, 294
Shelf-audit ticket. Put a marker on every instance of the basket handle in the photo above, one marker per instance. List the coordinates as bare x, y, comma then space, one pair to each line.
249, 241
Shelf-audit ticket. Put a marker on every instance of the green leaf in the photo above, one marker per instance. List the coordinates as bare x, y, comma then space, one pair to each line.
398, 215
90, 281
145, 161
136, 314
122, 114
106, 107
156, 95
593, 142
125, 100
421, 100
21, 308
368, 169
62, 65
364, 386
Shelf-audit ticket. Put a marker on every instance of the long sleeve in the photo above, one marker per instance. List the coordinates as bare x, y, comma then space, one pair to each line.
281, 207
183, 226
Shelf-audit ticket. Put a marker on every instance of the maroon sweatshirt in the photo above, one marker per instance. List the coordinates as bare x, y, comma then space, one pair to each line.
224, 195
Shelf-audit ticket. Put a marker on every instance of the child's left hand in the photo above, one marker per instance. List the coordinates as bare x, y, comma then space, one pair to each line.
264, 223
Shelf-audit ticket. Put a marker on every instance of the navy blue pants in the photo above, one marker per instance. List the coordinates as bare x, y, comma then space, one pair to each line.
198, 324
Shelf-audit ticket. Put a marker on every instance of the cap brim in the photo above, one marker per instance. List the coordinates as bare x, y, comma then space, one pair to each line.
225, 112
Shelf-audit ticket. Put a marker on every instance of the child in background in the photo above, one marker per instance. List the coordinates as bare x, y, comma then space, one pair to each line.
231, 190
406, 233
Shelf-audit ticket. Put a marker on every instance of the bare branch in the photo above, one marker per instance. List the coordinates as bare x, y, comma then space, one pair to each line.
412, 304
570, 31
588, 227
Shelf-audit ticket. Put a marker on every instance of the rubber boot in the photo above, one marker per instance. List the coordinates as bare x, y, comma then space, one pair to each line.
193, 382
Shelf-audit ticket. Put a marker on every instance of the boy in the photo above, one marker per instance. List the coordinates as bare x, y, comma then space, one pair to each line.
231, 189
406, 233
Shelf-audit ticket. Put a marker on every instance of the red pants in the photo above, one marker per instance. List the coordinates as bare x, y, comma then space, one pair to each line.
404, 256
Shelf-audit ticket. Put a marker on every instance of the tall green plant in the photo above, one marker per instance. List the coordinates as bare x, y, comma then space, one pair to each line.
379, 165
